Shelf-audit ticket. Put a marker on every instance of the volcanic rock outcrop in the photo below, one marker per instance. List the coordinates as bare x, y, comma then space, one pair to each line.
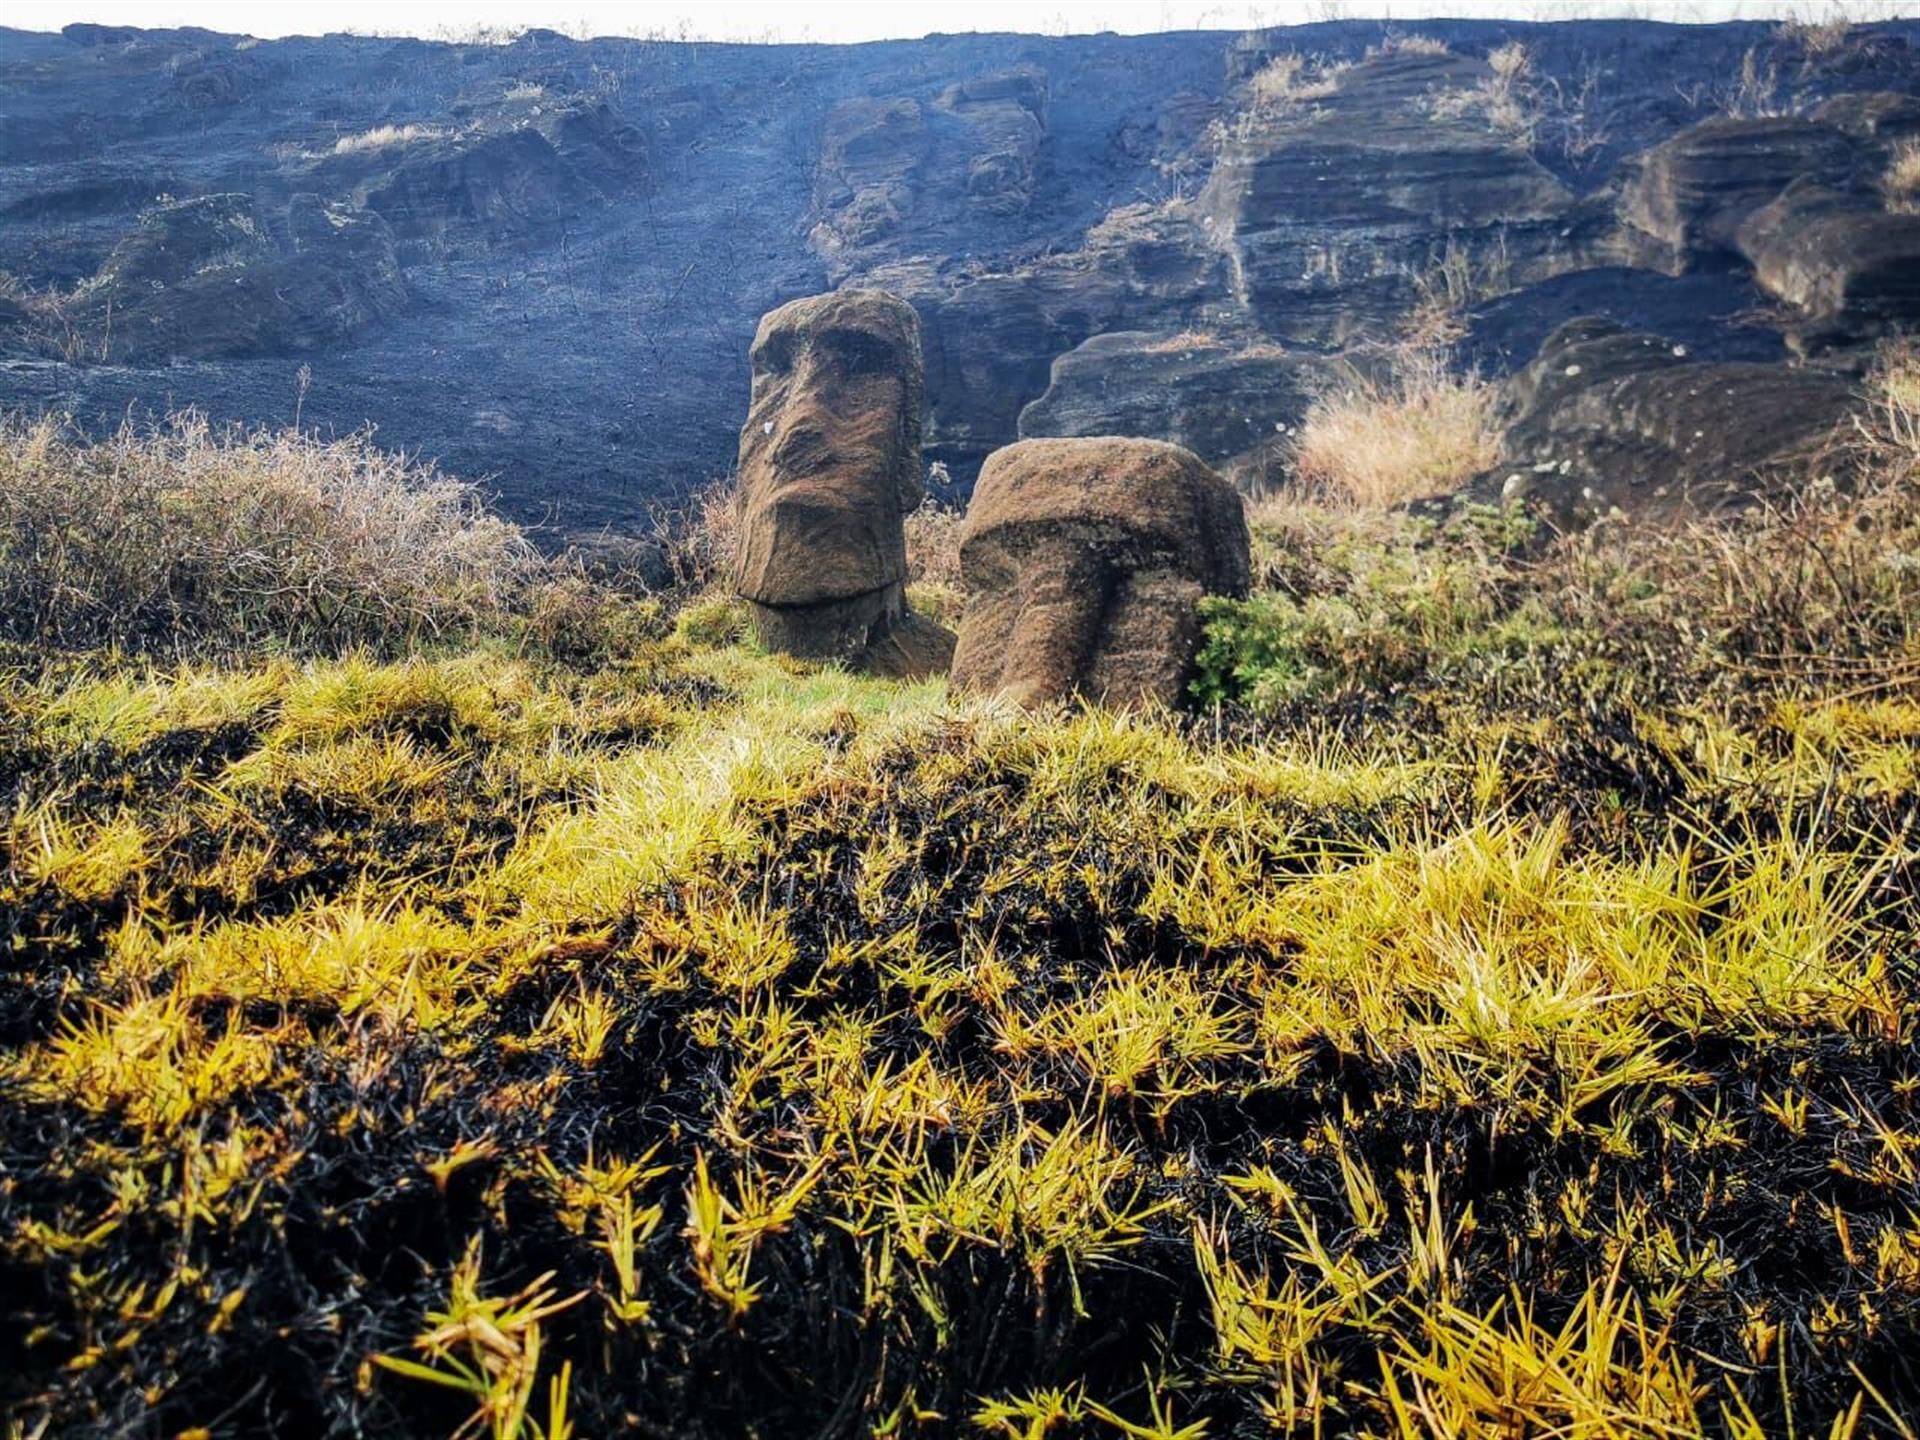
1084, 562
830, 466
1690, 195
1329, 204
1607, 418
1848, 268
1233, 402
203, 279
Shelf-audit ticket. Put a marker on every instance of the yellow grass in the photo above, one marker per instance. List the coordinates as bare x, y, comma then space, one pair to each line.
1378, 442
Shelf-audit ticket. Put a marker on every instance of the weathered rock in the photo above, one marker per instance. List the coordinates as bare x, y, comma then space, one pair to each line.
1691, 194
1849, 269
1889, 116
1007, 114
869, 163
602, 146
991, 340
1232, 402
830, 466
180, 240
499, 185
1084, 562
892, 167
1333, 211
1606, 418
200, 279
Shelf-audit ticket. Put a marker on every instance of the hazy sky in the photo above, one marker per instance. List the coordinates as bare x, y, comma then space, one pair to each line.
858, 19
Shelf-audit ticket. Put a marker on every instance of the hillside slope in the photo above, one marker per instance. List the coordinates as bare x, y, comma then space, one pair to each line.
542, 261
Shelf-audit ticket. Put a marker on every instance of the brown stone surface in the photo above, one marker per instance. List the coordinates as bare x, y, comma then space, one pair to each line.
1084, 562
829, 467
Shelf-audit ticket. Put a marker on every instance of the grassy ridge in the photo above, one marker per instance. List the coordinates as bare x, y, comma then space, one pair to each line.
1495, 1017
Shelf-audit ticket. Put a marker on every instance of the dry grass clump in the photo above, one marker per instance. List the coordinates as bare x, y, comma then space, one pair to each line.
933, 545
1289, 82
1414, 428
1816, 37
382, 137
1507, 96
1184, 340
1754, 93
1402, 42
1901, 183
189, 535
700, 534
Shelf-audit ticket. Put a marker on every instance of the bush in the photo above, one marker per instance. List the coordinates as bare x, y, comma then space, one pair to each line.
1381, 612
700, 534
1415, 429
186, 536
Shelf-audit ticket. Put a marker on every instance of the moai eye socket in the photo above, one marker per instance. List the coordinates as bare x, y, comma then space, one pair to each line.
855, 353
774, 355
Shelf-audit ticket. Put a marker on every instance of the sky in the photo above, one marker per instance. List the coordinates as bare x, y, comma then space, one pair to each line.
849, 20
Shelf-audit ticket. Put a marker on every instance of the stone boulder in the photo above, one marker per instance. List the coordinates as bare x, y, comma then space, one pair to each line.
1232, 402
1084, 562
830, 466
1849, 269
1689, 195
1609, 419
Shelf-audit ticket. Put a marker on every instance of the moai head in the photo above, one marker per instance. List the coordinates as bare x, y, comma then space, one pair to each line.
1084, 562
829, 469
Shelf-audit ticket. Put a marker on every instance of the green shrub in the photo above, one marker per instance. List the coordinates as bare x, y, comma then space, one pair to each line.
1379, 609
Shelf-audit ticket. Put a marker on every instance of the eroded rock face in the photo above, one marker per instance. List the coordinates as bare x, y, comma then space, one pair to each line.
1606, 418
1235, 403
1084, 562
1330, 210
500, 185
892, 166
201, 279
1849, 269
1691, 194
830, 466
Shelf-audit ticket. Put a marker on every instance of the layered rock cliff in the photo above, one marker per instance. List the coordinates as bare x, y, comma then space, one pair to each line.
543, 261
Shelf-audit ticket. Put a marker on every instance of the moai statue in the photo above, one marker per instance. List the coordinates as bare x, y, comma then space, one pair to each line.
829, 469
1084, 563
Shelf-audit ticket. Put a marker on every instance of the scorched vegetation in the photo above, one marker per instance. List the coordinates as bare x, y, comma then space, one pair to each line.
1492, 1012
